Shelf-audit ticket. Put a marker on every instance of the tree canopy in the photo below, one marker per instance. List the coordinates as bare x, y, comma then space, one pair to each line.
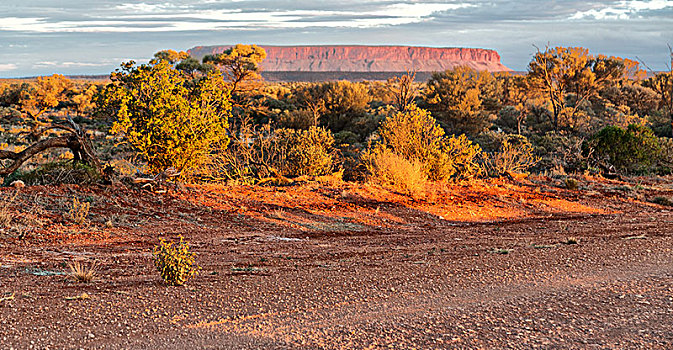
169, 121
567, 77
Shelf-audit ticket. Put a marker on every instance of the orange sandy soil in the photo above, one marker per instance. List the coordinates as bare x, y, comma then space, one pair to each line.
341, 265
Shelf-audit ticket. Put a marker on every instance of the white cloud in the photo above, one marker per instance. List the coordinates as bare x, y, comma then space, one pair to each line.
622, 10
418, 10
145, 17
55, 33
70, 64
7, 67
143, 7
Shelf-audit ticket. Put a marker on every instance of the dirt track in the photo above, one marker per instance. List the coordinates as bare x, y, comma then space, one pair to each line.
323, 268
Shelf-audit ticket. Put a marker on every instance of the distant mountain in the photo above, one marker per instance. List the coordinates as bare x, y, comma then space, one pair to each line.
369, 59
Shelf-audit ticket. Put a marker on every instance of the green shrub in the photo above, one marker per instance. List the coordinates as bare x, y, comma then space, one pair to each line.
174, 262
61, 172
559, 152
336, 103
296, 119
415, 136
506, 153
665, 165
632, 150
346, 138
169, 120
305, 152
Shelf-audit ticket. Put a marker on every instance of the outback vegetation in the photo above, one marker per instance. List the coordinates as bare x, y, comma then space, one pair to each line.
216, 120
208, 145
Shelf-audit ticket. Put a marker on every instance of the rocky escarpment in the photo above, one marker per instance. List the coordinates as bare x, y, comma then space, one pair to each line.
368, 58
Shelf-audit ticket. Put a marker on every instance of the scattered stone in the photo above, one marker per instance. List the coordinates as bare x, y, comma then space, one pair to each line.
17, 184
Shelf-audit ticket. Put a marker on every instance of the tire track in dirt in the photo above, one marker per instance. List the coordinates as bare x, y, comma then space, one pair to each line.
324, 325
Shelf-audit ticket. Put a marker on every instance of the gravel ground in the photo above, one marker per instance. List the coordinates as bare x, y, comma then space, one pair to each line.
364, 273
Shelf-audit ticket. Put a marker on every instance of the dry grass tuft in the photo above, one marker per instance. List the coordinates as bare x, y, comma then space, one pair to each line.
82, 273
278, 214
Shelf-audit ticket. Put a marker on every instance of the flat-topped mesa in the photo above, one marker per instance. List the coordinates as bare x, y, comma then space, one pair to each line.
344, 58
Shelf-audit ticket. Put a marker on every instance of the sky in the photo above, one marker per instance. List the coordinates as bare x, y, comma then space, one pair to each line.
42, 37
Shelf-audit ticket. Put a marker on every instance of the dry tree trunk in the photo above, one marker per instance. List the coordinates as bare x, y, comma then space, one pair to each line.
77, 142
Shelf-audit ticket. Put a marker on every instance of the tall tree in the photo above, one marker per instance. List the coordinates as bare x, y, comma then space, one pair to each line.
239, 63
403, 90
463, 99
164, 116
170, 56
567, 77
34, 100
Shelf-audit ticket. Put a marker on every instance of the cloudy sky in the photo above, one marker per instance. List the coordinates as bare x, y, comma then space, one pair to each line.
40, 37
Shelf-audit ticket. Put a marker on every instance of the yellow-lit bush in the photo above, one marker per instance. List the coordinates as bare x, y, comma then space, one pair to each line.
260, 153
461, 158
395, 172
415, 136
168, 119
79, 211
175, 263
305, 152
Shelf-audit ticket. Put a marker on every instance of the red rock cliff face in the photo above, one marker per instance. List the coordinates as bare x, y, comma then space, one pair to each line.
368, 58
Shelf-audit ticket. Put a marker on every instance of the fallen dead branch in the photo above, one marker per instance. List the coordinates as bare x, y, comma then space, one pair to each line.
157, 183
77, 141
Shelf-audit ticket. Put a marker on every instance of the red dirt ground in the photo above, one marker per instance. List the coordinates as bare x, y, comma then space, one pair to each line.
345, 266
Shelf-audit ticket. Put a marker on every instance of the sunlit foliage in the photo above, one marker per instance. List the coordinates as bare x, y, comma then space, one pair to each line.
568, 77
464, 99
169, 122
415, 135
239, 63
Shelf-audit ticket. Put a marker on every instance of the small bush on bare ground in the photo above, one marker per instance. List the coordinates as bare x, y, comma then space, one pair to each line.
79, 211
511, 158
174, 261
506, 153
260, 153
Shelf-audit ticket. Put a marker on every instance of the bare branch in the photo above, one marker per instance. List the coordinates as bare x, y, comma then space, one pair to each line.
77, 142
645, 64
21, 157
